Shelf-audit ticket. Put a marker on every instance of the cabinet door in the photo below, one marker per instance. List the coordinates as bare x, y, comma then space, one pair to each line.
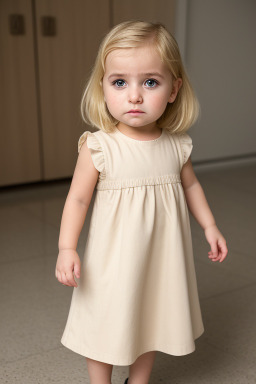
19, 135
66, 56
149, 10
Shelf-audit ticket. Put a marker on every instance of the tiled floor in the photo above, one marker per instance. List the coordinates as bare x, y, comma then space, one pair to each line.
34, 306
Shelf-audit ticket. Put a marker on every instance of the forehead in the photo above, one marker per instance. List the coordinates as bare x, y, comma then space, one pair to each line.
139, 59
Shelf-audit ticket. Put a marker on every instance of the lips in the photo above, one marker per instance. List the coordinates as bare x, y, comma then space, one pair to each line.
135, 111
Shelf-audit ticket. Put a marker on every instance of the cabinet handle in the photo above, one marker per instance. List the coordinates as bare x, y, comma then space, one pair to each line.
16, 24
48, 25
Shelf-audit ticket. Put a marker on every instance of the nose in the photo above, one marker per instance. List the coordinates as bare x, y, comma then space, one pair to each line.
135, 95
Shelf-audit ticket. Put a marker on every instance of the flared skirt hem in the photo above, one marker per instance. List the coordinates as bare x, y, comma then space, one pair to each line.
175, 350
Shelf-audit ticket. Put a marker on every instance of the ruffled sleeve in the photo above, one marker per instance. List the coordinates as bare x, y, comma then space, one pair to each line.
95, 149
186, 146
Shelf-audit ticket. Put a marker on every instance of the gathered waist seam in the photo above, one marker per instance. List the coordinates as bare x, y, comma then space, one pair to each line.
137, 182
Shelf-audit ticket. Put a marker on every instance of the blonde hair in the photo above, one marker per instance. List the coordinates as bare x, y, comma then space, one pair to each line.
179, 115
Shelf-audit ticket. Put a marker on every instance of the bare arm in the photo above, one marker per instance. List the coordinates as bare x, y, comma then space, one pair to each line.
78, 200
73, 217
201, 211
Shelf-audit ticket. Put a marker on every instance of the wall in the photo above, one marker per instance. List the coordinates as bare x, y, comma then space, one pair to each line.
220, 57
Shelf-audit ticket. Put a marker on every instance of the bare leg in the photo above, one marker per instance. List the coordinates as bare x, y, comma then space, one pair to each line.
140, 370
99, 373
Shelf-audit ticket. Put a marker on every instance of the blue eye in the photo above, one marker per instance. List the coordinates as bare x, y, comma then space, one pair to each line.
152, 83
119, 83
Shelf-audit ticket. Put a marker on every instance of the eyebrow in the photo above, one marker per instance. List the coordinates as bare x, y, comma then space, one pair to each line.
141, 74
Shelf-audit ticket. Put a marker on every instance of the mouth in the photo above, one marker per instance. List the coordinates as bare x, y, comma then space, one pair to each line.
135, 111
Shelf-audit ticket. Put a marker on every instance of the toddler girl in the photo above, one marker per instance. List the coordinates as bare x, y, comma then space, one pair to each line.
137, 290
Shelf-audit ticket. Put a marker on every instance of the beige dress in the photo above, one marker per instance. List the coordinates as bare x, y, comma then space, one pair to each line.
137, 291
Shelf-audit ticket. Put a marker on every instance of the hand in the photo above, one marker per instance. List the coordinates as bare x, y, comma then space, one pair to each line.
217, 242
68, 262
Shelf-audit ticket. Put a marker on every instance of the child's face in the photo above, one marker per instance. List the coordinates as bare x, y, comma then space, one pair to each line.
136, 79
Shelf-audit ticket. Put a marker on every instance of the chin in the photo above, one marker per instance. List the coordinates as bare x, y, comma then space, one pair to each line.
138, 123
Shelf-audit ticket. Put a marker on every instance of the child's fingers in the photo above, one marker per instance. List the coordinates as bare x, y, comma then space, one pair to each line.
214, 251
224, 251
77, 270
210, 255
64, 279
71, 280
214, 256
59, 276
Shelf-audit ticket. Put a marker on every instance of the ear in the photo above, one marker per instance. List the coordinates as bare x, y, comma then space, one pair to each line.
175, 89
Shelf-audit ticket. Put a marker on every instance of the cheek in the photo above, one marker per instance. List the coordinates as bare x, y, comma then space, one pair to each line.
113, 100
159, 101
